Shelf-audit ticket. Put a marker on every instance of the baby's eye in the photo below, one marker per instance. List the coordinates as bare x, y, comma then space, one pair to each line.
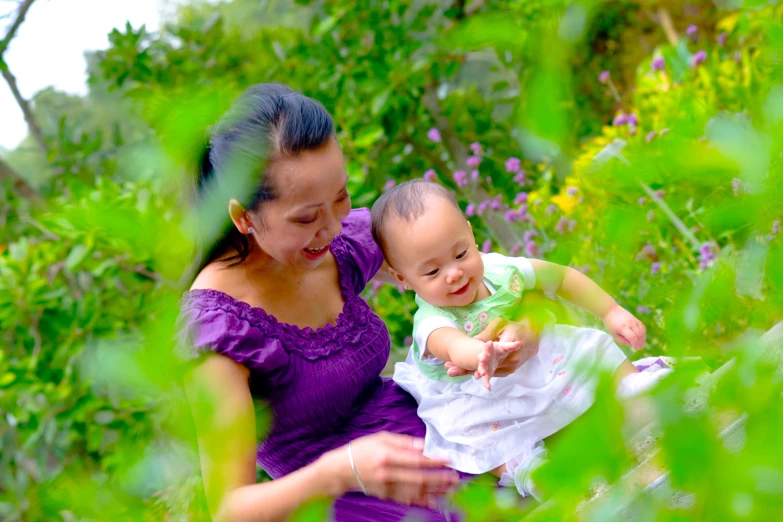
432, 272
462, 254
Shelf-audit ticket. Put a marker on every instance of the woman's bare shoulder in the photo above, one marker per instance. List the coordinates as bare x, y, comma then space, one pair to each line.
216, 276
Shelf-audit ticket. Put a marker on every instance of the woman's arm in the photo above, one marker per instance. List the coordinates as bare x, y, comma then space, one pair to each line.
222, 407
390, 466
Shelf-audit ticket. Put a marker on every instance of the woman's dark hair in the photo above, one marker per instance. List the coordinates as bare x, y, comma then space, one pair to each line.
267, 121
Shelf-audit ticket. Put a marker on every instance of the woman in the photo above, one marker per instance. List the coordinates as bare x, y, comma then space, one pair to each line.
278, 302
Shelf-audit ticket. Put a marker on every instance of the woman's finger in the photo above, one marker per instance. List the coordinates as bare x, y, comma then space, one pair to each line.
506, 346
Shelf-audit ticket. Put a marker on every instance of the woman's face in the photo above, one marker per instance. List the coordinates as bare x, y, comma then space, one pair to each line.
296, 228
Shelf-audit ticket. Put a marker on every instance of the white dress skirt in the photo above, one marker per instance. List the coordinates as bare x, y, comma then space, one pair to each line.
477, 430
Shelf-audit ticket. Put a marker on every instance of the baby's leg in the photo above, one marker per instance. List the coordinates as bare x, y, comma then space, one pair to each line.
625, 369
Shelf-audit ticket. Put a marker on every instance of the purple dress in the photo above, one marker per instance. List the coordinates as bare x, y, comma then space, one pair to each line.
323, 386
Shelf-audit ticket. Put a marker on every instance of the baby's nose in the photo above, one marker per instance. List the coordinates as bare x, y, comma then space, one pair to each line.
454, 276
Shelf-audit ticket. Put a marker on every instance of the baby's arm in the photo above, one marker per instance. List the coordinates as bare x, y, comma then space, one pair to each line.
452, 345
575, 287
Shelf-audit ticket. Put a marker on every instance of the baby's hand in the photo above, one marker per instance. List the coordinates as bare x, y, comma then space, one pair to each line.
490, 358
625, 328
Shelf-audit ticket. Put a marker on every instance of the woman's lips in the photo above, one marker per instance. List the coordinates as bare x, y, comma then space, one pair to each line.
462, 290
312, 256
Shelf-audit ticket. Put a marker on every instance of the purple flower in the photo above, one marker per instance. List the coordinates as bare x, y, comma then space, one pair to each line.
529, 235
633, 121
470, 210
620, 119
486, 246
655, 268
722, 38
704, 265
482, 207
512, 165
430, 175
705, 250
474, 175
495, 203
511, 216
647, 252
522, 213
476, 148
460, 178
389, 185
571, 191
521, 197
641, 201
531, 249
650, 136
551, 209
660, 193
698, 58
691, 30
604, 77
643, 310
473, 161
658, 63
561, 226
515, 249
434, 135
407, 341
488, 179
520, 177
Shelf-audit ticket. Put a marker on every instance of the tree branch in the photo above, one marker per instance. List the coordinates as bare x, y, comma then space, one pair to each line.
15, 26
35, 130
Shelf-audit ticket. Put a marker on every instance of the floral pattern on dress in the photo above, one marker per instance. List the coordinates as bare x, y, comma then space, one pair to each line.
483, 317
515, 285
468, 326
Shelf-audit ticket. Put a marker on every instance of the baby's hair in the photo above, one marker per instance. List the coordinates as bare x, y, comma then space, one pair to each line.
406, 201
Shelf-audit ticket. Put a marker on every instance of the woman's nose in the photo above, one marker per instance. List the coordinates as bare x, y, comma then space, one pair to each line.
332, 228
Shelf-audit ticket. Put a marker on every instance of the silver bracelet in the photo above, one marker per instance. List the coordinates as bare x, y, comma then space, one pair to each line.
355, 473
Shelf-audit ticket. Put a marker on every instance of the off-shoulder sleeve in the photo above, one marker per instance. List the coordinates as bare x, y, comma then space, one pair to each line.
207, 329
363, 257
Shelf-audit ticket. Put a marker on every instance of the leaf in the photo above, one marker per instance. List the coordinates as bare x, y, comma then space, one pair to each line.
379, 102
7, 379
75, 257
368, 136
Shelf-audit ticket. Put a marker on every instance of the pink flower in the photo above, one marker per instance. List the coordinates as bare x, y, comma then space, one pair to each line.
474, 175
722, 38
551, 209
511, 216
691, 30
430, 175
513, 164
643, 310
521, 197
633, 121
655, 268
476, 148
473, 161
470, 210
571, 191
650, 136
482, 207
460, 178
520, 177
515, 249
434, 135
486, 246
620, 119
389, 185
698, 58
531, 249
604, 77
658, 63
529, 235
641, 201
488, 179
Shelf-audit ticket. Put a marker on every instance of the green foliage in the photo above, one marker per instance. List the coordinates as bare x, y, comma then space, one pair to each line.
95, 423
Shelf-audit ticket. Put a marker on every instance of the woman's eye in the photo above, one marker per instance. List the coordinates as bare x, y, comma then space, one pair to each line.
432, 272
462, 254
306, 221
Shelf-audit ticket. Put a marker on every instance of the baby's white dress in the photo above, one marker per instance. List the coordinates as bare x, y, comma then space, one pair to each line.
476, 429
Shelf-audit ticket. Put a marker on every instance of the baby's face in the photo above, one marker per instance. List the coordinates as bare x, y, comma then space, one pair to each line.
437, 255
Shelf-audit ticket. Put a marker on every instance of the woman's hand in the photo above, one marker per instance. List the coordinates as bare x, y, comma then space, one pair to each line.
392, 466
500, 329
625, 328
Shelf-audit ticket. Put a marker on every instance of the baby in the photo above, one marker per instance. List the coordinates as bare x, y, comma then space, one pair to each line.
496, 425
